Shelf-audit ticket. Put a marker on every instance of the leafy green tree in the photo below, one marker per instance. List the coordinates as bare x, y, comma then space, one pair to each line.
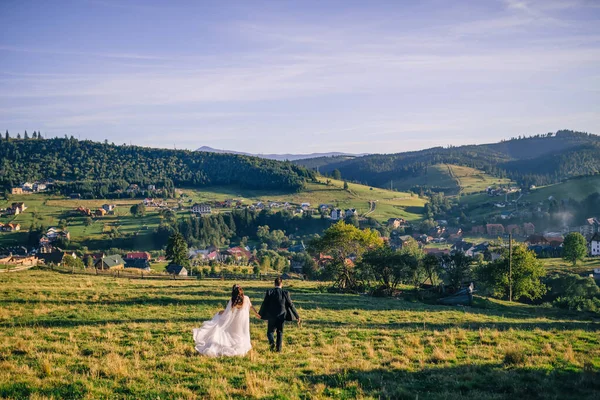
432, 268
138, 210
336, 174
88, 221
342, 241
345, 185
73, 262
388, 267
177, 250
574, 247
458, 269
527, 272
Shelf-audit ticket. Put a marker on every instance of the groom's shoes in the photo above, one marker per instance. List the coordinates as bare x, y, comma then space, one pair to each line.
272, 346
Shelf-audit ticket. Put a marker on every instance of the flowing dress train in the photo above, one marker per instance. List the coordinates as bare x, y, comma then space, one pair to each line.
227, 334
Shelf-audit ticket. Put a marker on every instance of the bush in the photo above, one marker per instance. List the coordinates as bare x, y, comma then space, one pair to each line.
578, 303
514, 356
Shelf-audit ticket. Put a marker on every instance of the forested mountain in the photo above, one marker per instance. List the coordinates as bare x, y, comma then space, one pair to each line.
278, 157
539, 160
73, 160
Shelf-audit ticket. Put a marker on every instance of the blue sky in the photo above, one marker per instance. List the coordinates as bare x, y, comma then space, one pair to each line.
310, 76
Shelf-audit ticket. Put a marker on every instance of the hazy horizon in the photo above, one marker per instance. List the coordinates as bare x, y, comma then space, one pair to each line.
311, 77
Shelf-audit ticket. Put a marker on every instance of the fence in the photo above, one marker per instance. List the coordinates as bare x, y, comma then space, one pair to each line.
129, 274
16, 268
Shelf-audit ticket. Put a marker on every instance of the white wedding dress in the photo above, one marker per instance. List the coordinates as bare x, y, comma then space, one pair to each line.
227, 334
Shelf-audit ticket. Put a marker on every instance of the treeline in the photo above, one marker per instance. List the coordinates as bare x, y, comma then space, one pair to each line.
85, 161
220, 229
537, 160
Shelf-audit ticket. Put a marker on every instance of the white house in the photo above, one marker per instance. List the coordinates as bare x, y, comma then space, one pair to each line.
337, 214
151, 187
594, 246
201, 209
305, 206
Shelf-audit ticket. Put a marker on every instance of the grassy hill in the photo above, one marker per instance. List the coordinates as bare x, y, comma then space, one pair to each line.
452, 179
388, 203
576, 189
539, 160
48, 210
73, 336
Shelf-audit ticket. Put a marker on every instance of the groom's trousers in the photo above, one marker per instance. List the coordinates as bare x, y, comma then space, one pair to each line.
275, 325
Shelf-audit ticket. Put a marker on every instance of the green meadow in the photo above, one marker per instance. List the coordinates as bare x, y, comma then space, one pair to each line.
92, 337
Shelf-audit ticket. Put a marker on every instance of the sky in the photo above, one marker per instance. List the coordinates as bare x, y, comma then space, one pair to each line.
299, 76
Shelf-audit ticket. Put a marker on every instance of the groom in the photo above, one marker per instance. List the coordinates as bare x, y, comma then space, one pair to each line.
277, 307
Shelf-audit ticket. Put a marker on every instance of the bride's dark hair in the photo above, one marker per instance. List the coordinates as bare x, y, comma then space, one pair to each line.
237, 296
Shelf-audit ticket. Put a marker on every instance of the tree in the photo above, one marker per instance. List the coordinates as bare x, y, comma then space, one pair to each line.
345, 185
342, 241
388, 267
431, 267
574, 247
73, 262
457, 269
138, 210
26, 136
527, 272
336, 174
18, 136
177, 250
7, 136
88, 221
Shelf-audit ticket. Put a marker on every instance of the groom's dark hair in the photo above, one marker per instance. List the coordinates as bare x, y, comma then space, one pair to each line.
278, 281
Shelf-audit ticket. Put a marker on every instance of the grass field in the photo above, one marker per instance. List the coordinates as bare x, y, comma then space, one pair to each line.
577, 189
49, 210
389, 203
69, 336
456, 179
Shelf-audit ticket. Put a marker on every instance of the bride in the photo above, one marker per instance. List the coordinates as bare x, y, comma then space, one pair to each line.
228, 333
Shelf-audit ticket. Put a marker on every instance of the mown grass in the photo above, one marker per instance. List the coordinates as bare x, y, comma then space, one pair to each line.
69, 336
454, 178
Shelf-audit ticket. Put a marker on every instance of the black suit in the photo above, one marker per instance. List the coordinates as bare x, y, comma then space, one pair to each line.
277, 307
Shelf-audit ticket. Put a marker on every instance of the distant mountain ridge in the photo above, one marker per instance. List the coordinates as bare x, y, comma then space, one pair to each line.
278, 157
534, 160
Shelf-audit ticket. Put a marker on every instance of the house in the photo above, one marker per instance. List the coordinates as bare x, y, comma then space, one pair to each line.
16, 190
305, 206
151, 187
133, 188
139, 255
337, 214
18, 207
11, 227
108, 207
351, 212
84, 211
513, 229
505, 214
52, 258
148, 201
238, 253
297, 248
536, 240
461, 247
101, 212
396, 223
528, 229
138, 263
110, 262
174, 269
594, 245
591, 226
478, 229
494, 229
478, 249
201, 209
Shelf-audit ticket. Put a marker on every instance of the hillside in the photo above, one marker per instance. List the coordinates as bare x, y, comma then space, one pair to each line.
112, 166
530, 160
86, 336
388, 204
450, 179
